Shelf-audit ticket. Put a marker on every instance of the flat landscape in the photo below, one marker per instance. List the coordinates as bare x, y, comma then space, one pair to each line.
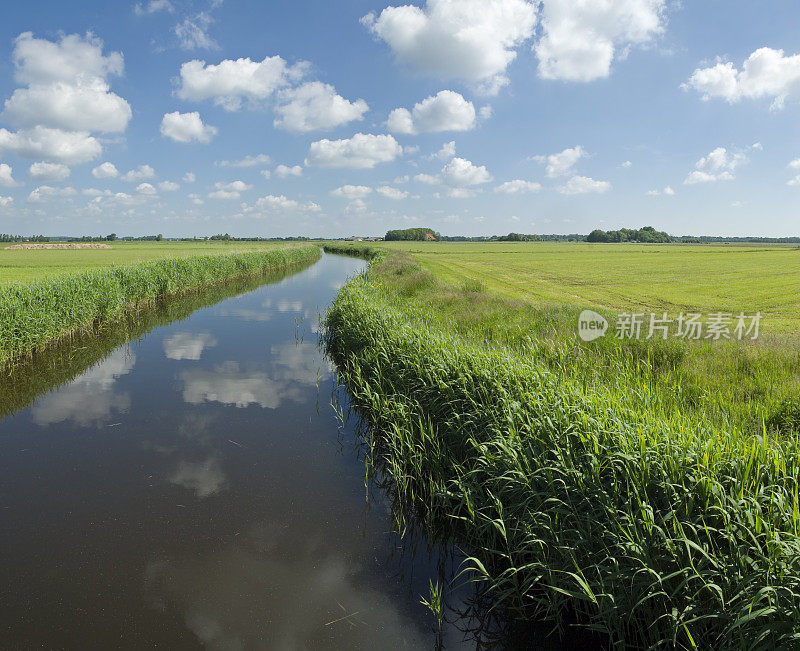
631, 277
22, 265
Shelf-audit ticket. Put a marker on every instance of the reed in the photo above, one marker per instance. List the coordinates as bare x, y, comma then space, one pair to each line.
581, 492
36, 314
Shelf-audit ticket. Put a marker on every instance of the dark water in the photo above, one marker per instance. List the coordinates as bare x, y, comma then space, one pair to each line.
192, 488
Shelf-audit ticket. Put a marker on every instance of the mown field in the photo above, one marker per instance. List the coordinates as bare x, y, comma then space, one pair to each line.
25, 265
628, 277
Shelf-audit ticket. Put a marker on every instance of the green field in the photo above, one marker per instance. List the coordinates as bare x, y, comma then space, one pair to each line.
628, 277
646, 489
24, 265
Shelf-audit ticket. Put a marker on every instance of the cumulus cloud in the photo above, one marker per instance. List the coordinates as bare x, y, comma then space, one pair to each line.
231, 82
146, 189
584, 185
391, 193
282, 171
141, 173
189, 177
580, 40
231, 190
461, 173
362, 151
766, 73
281, 204
186, 127
45, 193
315, 105
427, 179
667, 191
52, 145
153, 7
562, 163
447, 151
67, 97
518, 186
471, 40
48, 171
192, 32
168, 186
105, 171
719, 165
247, 161
351, 192
445, 111
5, 202
6, 179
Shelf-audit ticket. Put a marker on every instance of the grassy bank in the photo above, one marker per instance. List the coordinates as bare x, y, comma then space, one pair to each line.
583, 490
38, 313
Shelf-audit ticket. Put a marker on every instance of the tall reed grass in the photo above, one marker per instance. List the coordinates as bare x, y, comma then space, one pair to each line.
36, 314
579, 500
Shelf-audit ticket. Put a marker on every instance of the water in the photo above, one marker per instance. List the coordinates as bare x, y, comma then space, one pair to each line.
192, 488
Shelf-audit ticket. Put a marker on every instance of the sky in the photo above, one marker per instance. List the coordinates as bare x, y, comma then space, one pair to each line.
331, 119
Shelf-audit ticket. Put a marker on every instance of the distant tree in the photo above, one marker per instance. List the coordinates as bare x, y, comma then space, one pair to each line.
159, 237
412, 235
111, 238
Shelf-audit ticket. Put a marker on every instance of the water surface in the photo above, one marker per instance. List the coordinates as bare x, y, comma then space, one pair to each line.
192, 488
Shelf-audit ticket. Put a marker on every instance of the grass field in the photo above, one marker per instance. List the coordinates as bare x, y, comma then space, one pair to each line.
629, 277
25, 265
648, 489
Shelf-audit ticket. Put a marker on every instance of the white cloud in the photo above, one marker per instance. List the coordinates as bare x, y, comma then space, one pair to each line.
580, 40
6, 201
153, 7
391, 193
189, 177
485, 112
168, 186
472, 40
356, 207
719, 165
447, 151
105, 171
192, 32
627, 164
232, 190
315, 105
667, 191
45, 192
461, 173
230, 82
6, 179
427, 179
185, 345
561, 164
362, 151
282, 171
766, 73
272, 203
146, 188
518, 186
141, 173
351, 191
794, 181
266, 174
247, 161
186, 127
795, 164
66, 99
48, 171
445, 111
39, 61
53, 145
584, 185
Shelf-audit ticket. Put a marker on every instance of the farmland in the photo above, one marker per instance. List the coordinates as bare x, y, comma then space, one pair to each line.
25, 265
628, 277
648, 488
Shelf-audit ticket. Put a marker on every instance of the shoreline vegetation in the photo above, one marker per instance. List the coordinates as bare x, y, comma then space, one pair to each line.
647, 490
37, 314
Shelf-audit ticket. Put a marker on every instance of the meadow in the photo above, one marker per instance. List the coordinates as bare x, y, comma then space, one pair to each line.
628, 277
53, 304
25, 265
647, 490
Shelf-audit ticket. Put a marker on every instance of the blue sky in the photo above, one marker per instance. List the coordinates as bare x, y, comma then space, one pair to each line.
469, 116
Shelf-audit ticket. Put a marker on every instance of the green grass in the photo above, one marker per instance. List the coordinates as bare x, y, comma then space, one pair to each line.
588, 483
38, 313
614, 277
29, 264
